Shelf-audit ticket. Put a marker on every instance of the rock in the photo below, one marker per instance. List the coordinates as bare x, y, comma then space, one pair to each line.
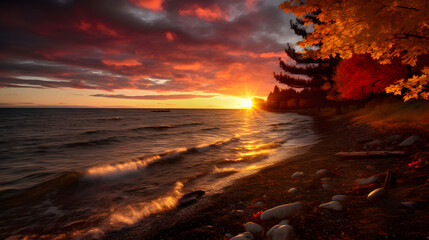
339, 198
243, 236
253, 228
394, 138
325, 179
293, 190
364, 181
284, 222
375, 144
409, 204
297, 174
326, 186
376, 194
228, 235
259, 203
190, 198
334, 205
282, 211
410, 141
321, 172
281, 232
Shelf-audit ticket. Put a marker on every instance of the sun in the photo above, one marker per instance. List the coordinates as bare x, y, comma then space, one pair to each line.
246, 103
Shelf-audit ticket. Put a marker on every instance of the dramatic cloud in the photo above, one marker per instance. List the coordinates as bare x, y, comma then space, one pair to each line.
214, 46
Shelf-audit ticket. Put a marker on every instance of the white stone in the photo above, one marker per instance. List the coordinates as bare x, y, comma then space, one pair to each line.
377, 193
293, 190
321, 172
410, 141
253, 228
243, 236
326, 186
281, 232
339, 198
364, 181
297, 174
282, 211
334, 205
284, 222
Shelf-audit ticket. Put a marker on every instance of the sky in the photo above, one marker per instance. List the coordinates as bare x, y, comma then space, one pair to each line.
139, 53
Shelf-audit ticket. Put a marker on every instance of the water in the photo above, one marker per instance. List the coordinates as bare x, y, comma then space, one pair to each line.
83, 172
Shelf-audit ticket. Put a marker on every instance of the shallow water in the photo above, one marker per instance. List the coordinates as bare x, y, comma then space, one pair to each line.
78, 172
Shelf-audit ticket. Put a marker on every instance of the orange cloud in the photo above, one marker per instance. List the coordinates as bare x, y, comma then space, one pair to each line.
126, 62
154, 5
169, 36
211, 13
193, 66
271, 54
96, 28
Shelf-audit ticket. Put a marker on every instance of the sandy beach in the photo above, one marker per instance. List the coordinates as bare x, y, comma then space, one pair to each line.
244, 200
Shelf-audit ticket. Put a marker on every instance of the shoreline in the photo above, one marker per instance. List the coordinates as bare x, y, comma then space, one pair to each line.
212, 217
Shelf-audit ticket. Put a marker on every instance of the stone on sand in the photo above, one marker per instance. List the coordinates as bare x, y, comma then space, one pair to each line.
410, 141
376, 194
281, 232
293, 190
321, 172
364, 181
297, 174
253, 228
243, 236
339, 198
282, 211
334, 205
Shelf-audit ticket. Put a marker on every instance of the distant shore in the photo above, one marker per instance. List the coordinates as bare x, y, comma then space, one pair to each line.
213, 217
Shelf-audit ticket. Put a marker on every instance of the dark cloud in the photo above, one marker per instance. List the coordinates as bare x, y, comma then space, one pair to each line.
117, 44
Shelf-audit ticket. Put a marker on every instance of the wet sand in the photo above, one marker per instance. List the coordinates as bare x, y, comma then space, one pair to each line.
213, 217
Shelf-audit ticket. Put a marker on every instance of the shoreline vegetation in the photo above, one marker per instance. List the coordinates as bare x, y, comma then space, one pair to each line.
400, 213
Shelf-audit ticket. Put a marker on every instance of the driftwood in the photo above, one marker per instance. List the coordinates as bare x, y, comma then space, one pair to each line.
370, 154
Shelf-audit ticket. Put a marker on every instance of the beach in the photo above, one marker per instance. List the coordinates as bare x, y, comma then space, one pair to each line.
222, 214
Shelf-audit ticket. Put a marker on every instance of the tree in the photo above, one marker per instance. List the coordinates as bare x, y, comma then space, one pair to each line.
361, 76
415, 87
384, 29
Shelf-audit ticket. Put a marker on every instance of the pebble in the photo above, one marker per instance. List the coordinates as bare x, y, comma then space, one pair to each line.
243, 236
339, 198
410, 141
375, 143
297, 174
284, 222
326, 186
334, 205
259, 203
293, 190
253, 228
281, 232
321, 172
282, 211
228, 235
377, 193
409, 204
326, 179
364, 181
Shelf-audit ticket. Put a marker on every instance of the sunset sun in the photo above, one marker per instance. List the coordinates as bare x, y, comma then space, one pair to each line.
246, 103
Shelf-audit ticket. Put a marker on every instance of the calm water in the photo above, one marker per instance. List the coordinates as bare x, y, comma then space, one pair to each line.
83, 172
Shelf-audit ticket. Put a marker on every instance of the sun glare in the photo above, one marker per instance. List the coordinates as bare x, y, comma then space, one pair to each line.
246, 103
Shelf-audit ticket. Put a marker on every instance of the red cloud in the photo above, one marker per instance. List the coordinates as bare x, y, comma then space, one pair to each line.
211, 13
125, 62
155, 5
169, 36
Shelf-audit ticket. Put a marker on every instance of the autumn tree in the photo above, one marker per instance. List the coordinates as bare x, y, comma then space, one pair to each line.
384, 29
360, 76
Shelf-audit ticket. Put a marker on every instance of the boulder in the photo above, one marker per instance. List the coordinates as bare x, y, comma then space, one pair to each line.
364, 181
243, 236
410, 141
281, 232
339, 198
253, 228
297, 174
334, 205
282, 211
376, 194
190, 198
293, 190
